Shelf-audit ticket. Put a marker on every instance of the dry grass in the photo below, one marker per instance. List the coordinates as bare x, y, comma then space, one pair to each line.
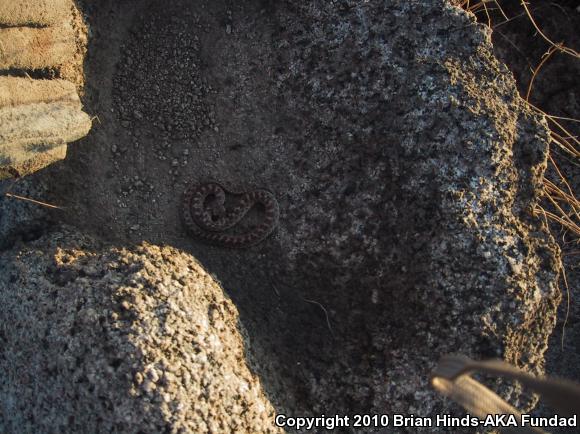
560, 203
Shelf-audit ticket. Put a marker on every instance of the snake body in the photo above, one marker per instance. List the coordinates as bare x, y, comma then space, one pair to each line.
205, 215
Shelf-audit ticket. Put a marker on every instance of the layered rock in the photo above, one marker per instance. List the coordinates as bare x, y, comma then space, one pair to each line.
37, 117
34, 12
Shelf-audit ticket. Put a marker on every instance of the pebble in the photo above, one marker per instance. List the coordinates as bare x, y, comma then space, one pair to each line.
173, 71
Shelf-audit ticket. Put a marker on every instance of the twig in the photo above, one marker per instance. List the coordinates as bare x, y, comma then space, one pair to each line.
560, 46
545, 58
565, 118
325, 313
500, 9
515, 17
486, 13
32, 200
572, 195
563, 143
569, 225
567, 307
572, 253
570, 135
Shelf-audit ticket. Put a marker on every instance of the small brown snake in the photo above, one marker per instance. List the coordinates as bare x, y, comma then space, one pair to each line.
205, 215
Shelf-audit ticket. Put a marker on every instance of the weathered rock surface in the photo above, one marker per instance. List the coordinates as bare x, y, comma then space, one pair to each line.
15, 91
31, 134
41, 125
36, 48
95, 338
39, 117
34, 12
404, 162
27, 161
416, 164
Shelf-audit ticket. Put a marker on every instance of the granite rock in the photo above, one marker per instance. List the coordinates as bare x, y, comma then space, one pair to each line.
106, 339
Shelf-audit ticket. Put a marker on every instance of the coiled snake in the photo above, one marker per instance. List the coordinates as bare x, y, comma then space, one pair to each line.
205, 215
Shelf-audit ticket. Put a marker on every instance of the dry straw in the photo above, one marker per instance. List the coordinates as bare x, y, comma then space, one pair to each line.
563, 205
561, 201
